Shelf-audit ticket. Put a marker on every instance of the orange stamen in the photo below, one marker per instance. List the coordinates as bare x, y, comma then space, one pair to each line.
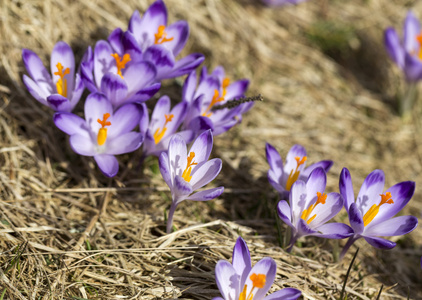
159, 134
102, 132
374, 210
186, 173
161, 35
61, 84
121, 62
419, 39
258, 282
215, 99
226, 83
307, 212
294, 174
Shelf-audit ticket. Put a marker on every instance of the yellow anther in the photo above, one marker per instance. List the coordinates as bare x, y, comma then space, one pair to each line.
102, 132
161, 35
307, 212
294, 174
242, 295
121, 62
419, 39
374, 210
159, 134
215, 99
186, 173
61, 84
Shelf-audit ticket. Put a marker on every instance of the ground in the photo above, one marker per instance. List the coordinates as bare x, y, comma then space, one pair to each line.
67, 231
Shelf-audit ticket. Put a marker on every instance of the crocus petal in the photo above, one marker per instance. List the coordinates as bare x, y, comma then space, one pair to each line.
82, 145
370, 191
227, 279
179, 31
355, 219
161, 108
241, 259
325, 164
275, 161
202, 146
114, 88
295, 151
201, 124
207, 194
163, 164
59, 103
346, 188
412, 29
177, 155
401, 193
144, 119
131, 46
325, 212
237, 89
297, 200
189, 87
36, 91
285, 294
37, 71
183, 66
124, 119
413, 67
380, 243
96, 105
267, 267
87, 77
284, 212
179, 112
392, 227
393, 46
162, 58
304, 229
317, 182
124, 143
71, 124
103, 61
138, 76
77, 92
181, 189
217, 298
63, 54
108, 164
144, 94
115, 40
334, 231
205, 173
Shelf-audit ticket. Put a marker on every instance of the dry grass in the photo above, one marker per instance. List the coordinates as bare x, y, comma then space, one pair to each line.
68, 232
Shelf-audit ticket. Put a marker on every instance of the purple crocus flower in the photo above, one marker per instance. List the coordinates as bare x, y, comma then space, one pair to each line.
240, 280
160, 44
60, 91
184, 173
310, 208
281, 2
406, 53
282, 177
213, 89
371, 215
163, 125
115, 70
103, 133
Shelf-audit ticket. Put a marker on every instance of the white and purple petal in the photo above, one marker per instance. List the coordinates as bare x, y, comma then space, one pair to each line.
241, 259
394, 47
285, 294
124, 143
392, 227
207, 194
267, 267
108, 164
379, 243
205, 173
334, 231
63, 54
370, 191
227, 280
71, 124
284, 212
202, 146
114, 88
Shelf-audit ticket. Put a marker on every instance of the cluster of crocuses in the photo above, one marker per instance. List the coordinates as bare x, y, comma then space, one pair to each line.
306, 208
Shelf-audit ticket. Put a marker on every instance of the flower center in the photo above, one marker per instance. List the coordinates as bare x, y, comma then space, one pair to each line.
61, 84
161, 35
373, 211
419, 39
158, 135
186, 173
121, 62
294, 174
258, 281
102, 132
307, 212
216, 98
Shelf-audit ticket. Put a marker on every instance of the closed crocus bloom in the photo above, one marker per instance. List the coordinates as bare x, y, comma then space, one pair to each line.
406, 53
241, 281
62, 89
163, 125
115, 69
186, 171
371, 215
310, 209
104, 133
213, 89
282, 176
160, 44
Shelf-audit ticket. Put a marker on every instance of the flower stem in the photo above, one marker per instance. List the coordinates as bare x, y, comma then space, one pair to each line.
346, 247
292, 243
170, 216
407, 100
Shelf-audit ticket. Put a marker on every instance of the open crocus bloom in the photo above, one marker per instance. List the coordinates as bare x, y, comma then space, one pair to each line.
282, 176
371, 215
407, 54
310, 209
117, 72
164, 124
62, 90
184, 172
213, 89
241, 281
103, 133
160, 44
